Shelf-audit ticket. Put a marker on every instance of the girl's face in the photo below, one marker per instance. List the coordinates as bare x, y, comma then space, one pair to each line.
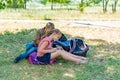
56, 37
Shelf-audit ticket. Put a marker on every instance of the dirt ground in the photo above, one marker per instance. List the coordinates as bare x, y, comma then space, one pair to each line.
109, 34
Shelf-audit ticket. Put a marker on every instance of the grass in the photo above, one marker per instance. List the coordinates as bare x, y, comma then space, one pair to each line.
104, 44
103, 56
91, 13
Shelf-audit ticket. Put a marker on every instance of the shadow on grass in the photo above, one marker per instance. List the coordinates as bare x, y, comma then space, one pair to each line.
15, 43
103, 59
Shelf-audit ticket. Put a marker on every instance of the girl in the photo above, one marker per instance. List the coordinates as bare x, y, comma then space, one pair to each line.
32, 46
45, 53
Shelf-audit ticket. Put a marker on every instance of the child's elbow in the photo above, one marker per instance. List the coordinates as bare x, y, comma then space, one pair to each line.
41, 50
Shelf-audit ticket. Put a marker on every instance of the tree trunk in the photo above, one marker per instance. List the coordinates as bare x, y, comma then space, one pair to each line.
14, 4
114, 6
25, 4
105, 4
82, 6
52, 4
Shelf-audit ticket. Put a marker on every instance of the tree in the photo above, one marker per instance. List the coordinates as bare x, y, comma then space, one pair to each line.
25, 3
52, 2
9, 3
105, 4
14, 4
44, 1
114, 6
2, 5
48, 1
86, 3
63, 2
81, 6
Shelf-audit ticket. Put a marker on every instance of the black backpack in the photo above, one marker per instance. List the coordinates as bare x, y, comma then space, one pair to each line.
75, 46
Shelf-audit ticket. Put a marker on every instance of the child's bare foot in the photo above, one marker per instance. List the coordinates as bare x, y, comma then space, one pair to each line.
84, 61
87, 59
81, 61
84, 58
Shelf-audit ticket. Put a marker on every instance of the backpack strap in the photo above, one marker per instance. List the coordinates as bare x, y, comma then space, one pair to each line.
72, 47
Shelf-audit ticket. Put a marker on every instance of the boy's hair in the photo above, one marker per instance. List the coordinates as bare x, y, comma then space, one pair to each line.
57, 31
50, 25
41, 32
39, 35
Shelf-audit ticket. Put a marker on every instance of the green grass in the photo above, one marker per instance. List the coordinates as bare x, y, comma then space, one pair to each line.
103, 55
104, 43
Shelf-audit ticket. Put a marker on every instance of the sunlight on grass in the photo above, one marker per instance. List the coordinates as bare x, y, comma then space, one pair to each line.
103, 57
68, 75
103, 54
110, 71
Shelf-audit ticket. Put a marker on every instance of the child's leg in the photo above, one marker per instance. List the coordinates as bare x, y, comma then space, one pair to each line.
29, 45
79, 57
25, 54
66, 56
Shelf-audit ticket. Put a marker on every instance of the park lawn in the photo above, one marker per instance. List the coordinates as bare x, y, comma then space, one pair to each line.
90, 13
104, 54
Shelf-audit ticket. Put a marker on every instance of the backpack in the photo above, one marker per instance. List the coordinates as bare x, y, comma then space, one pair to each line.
78, 47
33, 59
75, 46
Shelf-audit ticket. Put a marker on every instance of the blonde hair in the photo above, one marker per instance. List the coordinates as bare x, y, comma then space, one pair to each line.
57, 31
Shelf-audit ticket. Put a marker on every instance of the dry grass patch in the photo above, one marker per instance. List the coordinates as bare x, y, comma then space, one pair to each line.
90, 13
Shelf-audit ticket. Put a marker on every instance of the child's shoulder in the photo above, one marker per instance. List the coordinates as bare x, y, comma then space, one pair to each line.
46, 38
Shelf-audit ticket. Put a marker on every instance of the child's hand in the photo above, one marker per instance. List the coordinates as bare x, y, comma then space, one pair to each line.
59, 48
53, 49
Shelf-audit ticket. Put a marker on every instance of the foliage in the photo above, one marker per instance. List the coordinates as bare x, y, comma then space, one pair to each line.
96, 1
54, 2
86, 3
81, 6
43, 2
63, 1
9, 3
2, 5
14, 3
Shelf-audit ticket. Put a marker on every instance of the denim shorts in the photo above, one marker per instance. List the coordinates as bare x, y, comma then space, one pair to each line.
45, 58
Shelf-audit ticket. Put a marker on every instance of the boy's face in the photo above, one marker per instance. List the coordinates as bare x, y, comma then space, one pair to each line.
56, 37
47, 30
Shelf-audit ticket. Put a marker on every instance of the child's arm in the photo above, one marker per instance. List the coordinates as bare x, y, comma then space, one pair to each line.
63, 38
43, 50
